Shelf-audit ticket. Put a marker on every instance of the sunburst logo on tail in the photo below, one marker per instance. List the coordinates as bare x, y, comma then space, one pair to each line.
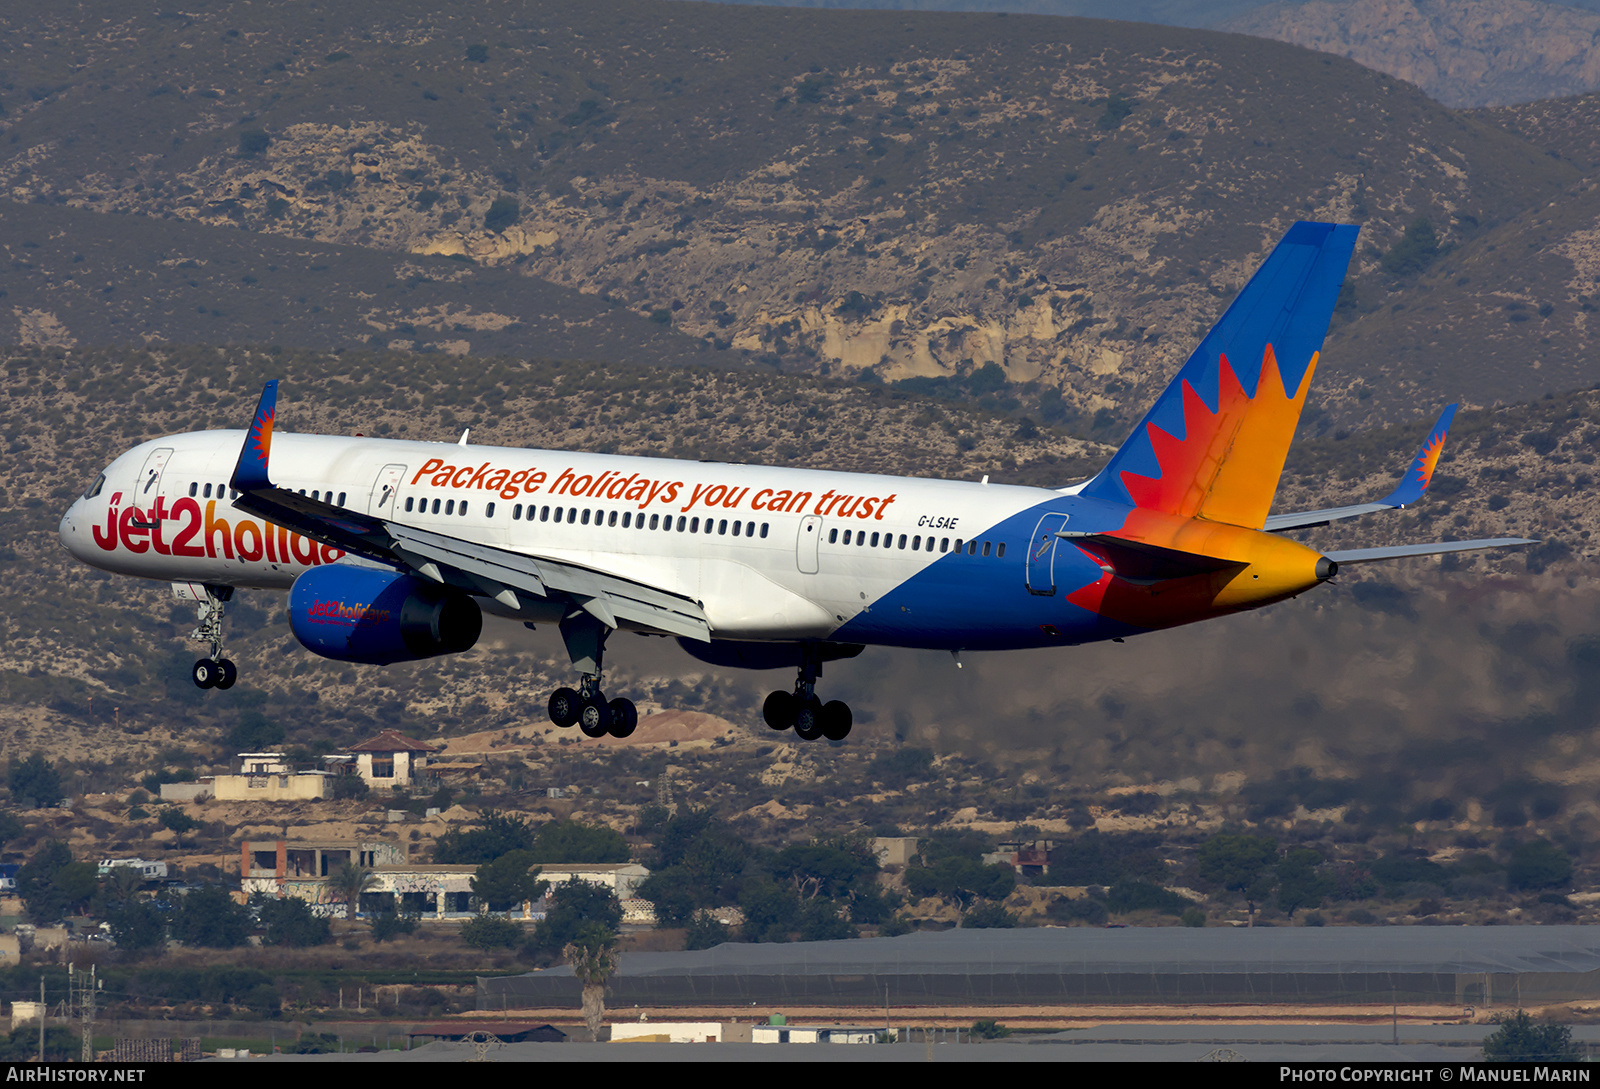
1226, 463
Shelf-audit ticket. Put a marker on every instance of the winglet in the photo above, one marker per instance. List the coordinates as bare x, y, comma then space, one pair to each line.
1420, 474
250, 473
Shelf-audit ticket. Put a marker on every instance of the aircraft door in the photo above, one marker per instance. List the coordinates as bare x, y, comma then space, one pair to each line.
1041, 577
149, 485
383, 502
805, 546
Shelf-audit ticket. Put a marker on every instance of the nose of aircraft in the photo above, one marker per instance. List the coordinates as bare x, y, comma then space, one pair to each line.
71, 529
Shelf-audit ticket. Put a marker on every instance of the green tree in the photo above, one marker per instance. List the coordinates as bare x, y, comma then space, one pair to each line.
593, 956
1300, 885
1239, 863
558, 843
137, 926
178, 822
1414, 252
498, 834
508, 881
51, 884
348, 882
490, 932
770, 911
209, 918
289, 921
574, 906
960, 880
1538, 864
705, 931
387, 925
1521, 1039
34, 778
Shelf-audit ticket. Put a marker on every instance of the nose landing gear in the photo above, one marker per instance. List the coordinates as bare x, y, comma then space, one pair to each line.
587, 707
802, 711
211, 601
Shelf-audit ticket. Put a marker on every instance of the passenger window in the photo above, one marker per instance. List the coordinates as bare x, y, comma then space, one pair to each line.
1000, 552
341, 499
586, 516
572, 515
611, 519
450, 506
654, 520
847, 536
874, 540
902, 542
985, 548
944, 544
408, 504
764, 530
544, 514
627, 519
681, 521
833, 536
436, 506
694, 525
463, 508
750, 530
516, 512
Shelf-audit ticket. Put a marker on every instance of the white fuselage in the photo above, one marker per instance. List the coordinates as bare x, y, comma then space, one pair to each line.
770, 554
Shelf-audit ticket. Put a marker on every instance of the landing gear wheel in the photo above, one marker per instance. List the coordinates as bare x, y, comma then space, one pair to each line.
594, 718
229, 674
779, 710
205, 673
563, 707
624, 717
836, 720
808, 720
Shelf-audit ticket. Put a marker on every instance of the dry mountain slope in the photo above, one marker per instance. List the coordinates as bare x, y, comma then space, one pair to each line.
918, 194
1462, 52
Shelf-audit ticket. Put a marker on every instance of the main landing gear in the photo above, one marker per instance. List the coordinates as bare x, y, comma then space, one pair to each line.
588, 708
215, 671
802, 710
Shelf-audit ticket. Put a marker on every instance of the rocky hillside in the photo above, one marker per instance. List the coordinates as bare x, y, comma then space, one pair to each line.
916, 195
1462, 52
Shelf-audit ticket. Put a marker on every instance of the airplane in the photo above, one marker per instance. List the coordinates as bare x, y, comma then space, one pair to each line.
392, 550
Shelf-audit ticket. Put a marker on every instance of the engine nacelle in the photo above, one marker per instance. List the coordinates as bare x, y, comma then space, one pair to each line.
359, 614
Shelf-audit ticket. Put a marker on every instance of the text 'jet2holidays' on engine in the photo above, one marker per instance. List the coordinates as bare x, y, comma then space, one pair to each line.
392, 550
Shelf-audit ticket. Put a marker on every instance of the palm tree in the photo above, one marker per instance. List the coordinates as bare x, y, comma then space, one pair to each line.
593, 953
349, 882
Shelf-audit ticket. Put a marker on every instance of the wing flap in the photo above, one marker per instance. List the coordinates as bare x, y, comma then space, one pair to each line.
607, 597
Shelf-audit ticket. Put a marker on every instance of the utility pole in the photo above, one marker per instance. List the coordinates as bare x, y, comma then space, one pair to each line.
84, 987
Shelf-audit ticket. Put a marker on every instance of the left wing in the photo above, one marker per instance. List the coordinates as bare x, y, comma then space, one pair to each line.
1411, 488
466, 565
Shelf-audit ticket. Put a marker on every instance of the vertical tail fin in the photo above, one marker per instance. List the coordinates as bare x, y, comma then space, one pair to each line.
1214, 443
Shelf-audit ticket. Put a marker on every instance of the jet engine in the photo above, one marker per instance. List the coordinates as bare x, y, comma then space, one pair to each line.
359, 614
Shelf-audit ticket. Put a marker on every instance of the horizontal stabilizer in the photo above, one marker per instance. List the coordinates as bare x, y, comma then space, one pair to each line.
1143, 562
1400, 552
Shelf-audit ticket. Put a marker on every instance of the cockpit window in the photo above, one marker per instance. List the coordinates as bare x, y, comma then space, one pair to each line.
94, 490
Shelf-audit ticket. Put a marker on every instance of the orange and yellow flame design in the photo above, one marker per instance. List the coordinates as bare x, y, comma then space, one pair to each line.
1226, 466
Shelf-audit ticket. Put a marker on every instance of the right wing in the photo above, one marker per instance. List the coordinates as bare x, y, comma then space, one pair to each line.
466, 565
1411, 488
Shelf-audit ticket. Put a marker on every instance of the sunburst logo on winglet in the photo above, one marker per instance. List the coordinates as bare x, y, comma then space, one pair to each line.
1226, 464
1428, 458
261, 433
